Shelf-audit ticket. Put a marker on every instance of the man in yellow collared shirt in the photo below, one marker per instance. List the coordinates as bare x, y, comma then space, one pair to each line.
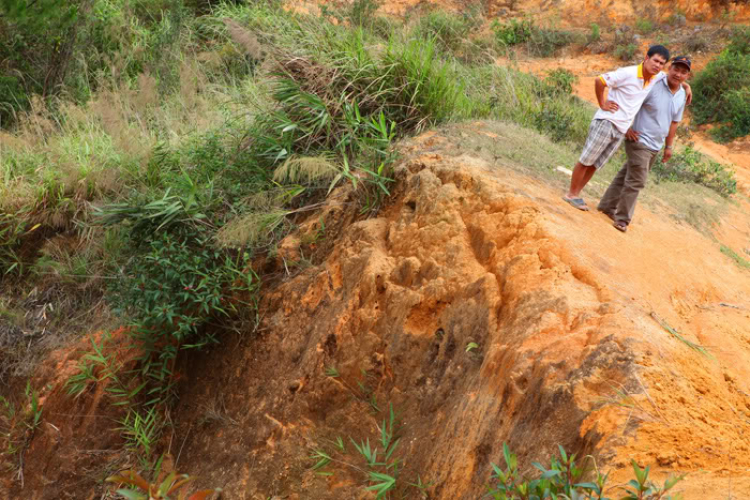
626, 90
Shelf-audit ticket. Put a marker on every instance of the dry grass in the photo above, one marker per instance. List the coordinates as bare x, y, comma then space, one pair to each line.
306, 169
255, 229
244, 38
56, 163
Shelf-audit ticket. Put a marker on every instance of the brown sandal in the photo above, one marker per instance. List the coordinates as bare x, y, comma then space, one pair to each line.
620, 226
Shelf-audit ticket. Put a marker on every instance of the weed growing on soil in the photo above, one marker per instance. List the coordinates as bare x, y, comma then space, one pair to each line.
380, 466
690, 165
141, 430
692, 345
165, 487
738, 259
18, 422
563, 479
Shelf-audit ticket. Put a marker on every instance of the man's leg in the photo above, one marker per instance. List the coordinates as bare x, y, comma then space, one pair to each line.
639, 159
602, 141
608, 203
582, 174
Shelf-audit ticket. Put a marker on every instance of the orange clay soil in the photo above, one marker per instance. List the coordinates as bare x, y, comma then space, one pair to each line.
562, 313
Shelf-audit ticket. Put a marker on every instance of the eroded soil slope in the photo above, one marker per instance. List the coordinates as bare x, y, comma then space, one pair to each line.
562, 308
483, 310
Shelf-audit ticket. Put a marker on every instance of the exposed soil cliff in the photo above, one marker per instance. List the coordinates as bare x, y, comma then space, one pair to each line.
484, 310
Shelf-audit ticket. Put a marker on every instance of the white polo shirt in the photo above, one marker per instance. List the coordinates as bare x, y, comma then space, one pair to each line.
628, 89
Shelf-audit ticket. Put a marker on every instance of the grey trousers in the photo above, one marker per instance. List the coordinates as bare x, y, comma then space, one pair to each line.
619, 199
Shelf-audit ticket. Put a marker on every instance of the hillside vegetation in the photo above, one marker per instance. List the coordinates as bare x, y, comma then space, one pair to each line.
154, 153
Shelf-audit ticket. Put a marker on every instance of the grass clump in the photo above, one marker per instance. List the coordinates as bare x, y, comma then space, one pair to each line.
449, 30
738, 259
722, 89
690, 165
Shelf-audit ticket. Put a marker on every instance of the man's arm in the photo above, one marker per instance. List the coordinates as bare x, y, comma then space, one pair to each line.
599, 88
669, 140
688, 93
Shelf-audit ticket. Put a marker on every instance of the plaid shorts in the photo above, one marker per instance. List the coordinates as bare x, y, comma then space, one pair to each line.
601, 143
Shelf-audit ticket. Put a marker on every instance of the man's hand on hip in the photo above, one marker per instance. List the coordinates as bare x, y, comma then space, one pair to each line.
632, 135
610, 106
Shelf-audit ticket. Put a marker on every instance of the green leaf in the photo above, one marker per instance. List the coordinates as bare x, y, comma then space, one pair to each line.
131, 494
386, 484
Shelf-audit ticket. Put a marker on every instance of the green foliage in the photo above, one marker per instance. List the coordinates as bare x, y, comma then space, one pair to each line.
378, 463
141, 430
595, 34
739, 41
18, 422
625, 51
645, 26
171, 288
13, 99
514, 32
362, 12
165, 487
97, 366
545, 42
12, 230
564, 478
561, 81
690, 165
450, 30
539, 41
738, 259
722, 89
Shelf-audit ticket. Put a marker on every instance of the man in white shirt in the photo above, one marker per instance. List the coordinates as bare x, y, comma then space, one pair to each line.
626, 90
654, 125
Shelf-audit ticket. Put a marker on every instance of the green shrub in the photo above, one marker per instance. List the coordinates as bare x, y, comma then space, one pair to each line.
722, 92
690, 165
736, 107
595, 34
561, 81
174, 284
546, 42
645, 26
513, 32
540, 42
626, 52
739, 41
